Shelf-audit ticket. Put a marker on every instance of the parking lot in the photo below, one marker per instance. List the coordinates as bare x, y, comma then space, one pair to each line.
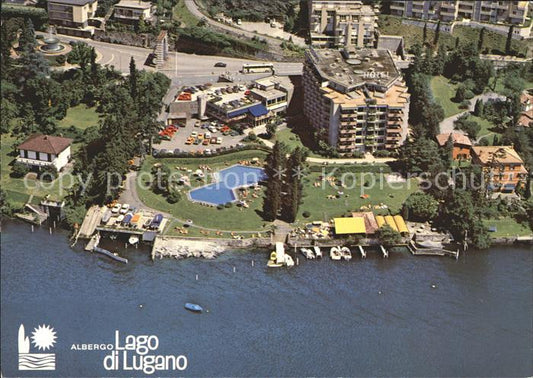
196, 131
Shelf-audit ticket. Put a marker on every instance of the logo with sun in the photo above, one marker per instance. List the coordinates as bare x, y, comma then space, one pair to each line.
43, 337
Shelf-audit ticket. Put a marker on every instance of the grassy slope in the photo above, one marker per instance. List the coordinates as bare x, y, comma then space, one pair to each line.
181, 13
507, 227
413, 34
81, 117
443, 92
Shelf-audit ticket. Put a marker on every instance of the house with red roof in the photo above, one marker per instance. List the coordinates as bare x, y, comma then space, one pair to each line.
461, 144
45, 150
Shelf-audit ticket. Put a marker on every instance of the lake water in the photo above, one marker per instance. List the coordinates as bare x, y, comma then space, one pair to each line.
420, 316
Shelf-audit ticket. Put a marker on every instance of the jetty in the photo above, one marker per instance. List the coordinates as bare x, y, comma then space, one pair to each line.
431, 251
114, 256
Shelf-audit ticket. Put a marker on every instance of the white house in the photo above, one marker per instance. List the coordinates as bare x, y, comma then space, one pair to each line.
44, 150
131, 10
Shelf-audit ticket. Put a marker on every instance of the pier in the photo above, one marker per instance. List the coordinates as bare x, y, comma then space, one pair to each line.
431, 251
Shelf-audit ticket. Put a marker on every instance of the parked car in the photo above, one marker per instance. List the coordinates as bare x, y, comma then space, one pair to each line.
124, 208
219, 140
189, 141
234, 133
205, 142
213, 129
207, 151
194, 134
207, 135
214, 140
220, 64
116, 208
177, 151
197, 141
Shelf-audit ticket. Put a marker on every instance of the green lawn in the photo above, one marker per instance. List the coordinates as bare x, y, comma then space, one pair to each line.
507, 227
81, 117
488, 129
443, 92
230, 219
18, 193
316, 201
181, 13
292, 140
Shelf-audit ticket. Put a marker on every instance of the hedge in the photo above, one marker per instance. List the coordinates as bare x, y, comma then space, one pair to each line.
38, 16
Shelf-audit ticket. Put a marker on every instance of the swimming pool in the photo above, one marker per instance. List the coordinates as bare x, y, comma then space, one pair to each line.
227, 180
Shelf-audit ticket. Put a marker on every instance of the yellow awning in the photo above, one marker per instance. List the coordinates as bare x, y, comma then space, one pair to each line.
400, 223
345, 226
390, 221
380, 220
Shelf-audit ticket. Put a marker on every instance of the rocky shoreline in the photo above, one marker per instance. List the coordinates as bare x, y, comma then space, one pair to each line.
181, 248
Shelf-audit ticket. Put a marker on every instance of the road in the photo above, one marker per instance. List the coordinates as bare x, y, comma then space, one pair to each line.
273, 43
183, 69
446, 126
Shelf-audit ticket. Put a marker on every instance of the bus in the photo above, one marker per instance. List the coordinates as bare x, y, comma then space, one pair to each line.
257, 68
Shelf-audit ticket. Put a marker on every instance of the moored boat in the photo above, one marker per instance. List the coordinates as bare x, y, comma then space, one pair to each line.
335, 253
307, 253
193, 307
346, 253
134, 239
318, 253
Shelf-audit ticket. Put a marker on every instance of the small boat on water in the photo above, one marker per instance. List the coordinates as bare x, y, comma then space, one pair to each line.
289, 261
273, 261
318, 253
193, 307
134, 239
307, 253
346, 253
335, 253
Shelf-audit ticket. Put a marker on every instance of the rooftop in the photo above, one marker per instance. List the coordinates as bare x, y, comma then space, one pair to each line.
133, 4
457, 138
72, 2
352, 69
45, 143
500, 154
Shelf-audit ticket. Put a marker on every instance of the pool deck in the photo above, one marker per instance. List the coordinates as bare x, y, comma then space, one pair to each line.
217, 176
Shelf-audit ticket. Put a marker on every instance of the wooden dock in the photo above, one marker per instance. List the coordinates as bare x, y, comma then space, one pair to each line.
91, 221
95, 240
431, 251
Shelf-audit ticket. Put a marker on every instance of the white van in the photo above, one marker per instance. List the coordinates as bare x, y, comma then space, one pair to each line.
207, 135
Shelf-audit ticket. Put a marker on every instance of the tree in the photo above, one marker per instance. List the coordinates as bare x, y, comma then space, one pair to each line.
133, 79
293, 185
437, 34
479, 107
460, 93
388, 237
27, 41
509, 41
174, 196
420, 207
420, 155
481, 39
19, 170
479, 235
425, 33
274, 170
271, 129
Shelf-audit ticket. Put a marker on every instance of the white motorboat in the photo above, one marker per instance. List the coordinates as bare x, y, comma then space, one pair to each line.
307, 253
346, 253
134, 239
289, 261
318, 253
335, 253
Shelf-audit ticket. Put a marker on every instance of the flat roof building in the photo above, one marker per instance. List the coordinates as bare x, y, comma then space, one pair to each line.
71, 13
355, 99
336, 23
131, 10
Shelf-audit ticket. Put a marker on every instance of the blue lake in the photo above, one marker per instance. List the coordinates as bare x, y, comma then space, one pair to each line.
402, 316
223, 191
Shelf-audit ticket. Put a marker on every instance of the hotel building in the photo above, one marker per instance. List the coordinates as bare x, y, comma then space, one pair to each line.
71, 13
355, 99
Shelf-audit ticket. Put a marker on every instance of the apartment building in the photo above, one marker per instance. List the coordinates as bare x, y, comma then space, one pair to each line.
355, 99
502, 165
71, 13
489, 11
335, 23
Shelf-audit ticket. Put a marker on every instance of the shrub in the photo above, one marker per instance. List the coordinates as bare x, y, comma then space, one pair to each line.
228, 205
174, 197
220, 207
19, 170
306, 214
48, 173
